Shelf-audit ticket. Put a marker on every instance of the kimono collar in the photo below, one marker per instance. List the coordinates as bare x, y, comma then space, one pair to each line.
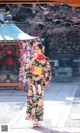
42, 56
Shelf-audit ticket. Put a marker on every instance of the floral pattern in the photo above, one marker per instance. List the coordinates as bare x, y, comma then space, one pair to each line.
36, 84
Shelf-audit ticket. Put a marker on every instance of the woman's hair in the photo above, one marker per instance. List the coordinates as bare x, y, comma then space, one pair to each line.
40, 45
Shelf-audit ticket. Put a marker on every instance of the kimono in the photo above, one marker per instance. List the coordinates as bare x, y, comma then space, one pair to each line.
35, 93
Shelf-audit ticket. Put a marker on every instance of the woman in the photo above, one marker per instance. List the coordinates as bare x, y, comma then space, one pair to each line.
39, 75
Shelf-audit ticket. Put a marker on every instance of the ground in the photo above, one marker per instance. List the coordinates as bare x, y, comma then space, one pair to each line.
11, 102
61, 109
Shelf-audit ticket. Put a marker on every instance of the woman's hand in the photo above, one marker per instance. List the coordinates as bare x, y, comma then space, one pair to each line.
29, 65
34, 58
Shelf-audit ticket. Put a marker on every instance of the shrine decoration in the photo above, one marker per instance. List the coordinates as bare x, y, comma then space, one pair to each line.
15, 41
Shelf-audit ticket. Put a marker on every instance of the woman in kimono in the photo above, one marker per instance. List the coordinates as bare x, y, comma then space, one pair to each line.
38, 75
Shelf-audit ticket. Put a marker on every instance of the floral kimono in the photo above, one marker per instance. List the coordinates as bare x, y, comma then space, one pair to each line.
35, 94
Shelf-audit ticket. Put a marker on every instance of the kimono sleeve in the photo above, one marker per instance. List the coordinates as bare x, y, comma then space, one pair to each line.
47, 73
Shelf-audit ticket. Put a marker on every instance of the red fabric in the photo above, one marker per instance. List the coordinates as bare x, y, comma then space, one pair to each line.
9, 61
41, 56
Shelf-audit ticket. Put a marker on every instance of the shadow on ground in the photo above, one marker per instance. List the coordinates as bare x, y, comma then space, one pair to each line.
47, 130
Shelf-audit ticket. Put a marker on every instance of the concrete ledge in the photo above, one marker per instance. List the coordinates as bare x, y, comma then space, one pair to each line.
63, 79
75, 116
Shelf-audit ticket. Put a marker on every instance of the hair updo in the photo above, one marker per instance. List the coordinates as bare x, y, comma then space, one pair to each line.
40, 45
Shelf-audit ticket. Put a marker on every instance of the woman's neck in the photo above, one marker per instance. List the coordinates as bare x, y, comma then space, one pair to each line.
39, 53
